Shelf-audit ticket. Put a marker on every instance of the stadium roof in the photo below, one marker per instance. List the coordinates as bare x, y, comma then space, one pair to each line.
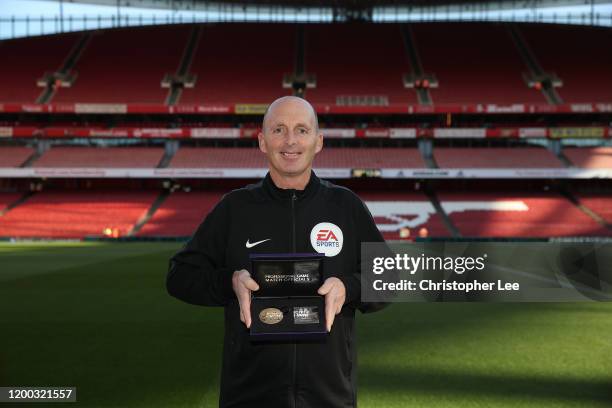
21, 18
194, 4
200, 4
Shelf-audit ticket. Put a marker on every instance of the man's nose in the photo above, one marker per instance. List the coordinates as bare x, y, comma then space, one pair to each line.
291, 138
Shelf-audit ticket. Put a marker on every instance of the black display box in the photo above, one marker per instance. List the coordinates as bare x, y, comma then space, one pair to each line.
287, 305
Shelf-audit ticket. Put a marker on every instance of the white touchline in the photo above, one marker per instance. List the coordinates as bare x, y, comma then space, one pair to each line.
249, 245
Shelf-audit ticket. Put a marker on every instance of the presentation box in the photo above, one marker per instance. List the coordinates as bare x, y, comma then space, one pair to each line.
287, 305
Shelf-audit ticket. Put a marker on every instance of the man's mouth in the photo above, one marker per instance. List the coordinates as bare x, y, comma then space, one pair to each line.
290, 155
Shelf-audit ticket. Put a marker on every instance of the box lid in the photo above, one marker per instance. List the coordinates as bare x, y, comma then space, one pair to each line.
287, 275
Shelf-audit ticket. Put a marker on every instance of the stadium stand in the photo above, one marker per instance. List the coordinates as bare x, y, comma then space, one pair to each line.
590, 157
599, 203
126, 65
353, 60
7, 199
30, 59
181, 213
14, 156
75, 214
576, 55
371, 157
490, 214
249, 71
94, 157
395, 210
211, 157
474, 63
495, 157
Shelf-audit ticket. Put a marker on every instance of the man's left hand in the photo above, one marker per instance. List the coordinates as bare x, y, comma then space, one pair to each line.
335, 294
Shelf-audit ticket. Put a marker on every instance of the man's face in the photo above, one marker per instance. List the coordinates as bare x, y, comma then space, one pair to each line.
290, 138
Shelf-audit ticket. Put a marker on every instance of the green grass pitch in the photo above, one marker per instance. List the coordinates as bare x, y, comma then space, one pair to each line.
97, 316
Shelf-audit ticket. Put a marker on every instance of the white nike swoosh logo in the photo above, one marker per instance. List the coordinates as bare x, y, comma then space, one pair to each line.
249, 245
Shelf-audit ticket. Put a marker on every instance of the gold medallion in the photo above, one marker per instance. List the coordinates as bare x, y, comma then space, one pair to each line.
271, 315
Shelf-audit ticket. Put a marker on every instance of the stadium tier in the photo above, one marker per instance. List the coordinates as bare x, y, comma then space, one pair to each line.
180, 214
249, 131
327, 158
492, 157
357, 61
518, 215
590, 157
393, 211
352, 63
369, 158
14, 156
26, 61
7, 199
473, 63
126, 65
75, 214
86, 157
177, 108
577, 56
600, 204
210, 157
241, 63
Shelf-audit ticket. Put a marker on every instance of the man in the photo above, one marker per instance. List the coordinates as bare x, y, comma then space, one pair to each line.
290, 210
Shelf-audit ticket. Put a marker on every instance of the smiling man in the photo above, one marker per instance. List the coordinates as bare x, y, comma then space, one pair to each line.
286, 212
290, 138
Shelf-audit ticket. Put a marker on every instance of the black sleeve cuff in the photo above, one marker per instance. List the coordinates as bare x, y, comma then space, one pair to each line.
352, 287
225, 278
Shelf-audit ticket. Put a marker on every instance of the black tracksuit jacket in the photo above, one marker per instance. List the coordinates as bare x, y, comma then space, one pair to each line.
315, 374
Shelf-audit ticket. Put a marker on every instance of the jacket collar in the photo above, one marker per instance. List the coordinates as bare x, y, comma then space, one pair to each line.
285, 194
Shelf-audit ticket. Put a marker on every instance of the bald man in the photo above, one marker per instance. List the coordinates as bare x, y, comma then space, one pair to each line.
286, 212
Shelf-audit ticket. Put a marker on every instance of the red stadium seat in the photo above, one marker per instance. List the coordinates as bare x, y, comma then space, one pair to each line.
30, 59
7, 199
393, 211
474, 63
14, 156
576, 55
180, 214
499, 158
352, 60
518, 215
75, 214
126, 66
600, 203
94, 157
590, 157
211, 157
241, 63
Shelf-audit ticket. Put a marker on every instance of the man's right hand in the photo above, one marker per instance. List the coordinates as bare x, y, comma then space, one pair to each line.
243, 284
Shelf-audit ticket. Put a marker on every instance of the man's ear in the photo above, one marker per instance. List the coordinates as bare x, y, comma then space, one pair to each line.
262, 142
319, 142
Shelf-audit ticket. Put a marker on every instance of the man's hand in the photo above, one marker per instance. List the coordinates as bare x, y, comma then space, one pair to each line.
243, 284
335, 294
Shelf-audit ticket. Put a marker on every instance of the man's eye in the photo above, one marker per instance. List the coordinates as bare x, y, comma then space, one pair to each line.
277, 130
303, 131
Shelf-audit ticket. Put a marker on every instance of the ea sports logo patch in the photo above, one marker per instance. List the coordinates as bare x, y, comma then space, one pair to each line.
326, 238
